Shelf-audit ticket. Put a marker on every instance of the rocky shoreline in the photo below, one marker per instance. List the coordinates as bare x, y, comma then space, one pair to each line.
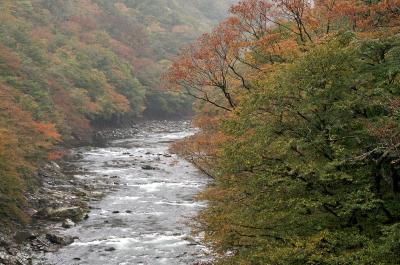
59, 203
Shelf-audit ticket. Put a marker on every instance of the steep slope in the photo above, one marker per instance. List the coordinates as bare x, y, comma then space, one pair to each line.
68, 65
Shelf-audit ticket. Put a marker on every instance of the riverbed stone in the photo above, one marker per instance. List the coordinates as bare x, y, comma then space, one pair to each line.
59, 239
24, 235
148, 167
110, 249
68, 223
75, 213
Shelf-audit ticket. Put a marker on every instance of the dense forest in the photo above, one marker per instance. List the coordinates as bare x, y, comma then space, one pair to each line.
297, 104
299, 114
69, 66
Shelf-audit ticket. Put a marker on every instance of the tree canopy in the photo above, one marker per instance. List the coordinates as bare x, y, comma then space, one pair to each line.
298, 110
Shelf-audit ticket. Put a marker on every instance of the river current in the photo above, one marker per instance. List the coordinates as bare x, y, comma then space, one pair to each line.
143, 218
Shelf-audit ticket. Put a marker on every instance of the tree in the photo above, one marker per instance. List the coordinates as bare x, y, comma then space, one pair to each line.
305, 166
211, 65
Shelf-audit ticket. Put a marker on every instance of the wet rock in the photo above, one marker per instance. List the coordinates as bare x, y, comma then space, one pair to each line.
23, 236
59, 239
148, 167
74, 213
110, 249
43, 244
68, 223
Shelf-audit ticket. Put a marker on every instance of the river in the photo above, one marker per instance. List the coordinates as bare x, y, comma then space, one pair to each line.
143, 218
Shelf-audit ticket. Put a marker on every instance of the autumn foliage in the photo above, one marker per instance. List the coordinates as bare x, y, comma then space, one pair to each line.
299, 130
68, 68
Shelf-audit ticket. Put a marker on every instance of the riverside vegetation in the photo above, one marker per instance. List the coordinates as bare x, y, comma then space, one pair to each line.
68, 66
299, 114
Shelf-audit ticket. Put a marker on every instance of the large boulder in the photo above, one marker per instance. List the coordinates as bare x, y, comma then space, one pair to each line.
59, 239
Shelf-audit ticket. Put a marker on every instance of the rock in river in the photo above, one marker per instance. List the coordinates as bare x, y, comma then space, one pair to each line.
68, 223
148, 167
110, 249
59, 239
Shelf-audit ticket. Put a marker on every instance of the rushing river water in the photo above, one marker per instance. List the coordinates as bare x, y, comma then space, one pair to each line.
143, 220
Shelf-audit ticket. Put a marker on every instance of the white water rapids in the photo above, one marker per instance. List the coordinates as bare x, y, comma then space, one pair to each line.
143, 219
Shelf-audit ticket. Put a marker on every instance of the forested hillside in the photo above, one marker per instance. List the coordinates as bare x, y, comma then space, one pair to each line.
69, 65
299, 114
